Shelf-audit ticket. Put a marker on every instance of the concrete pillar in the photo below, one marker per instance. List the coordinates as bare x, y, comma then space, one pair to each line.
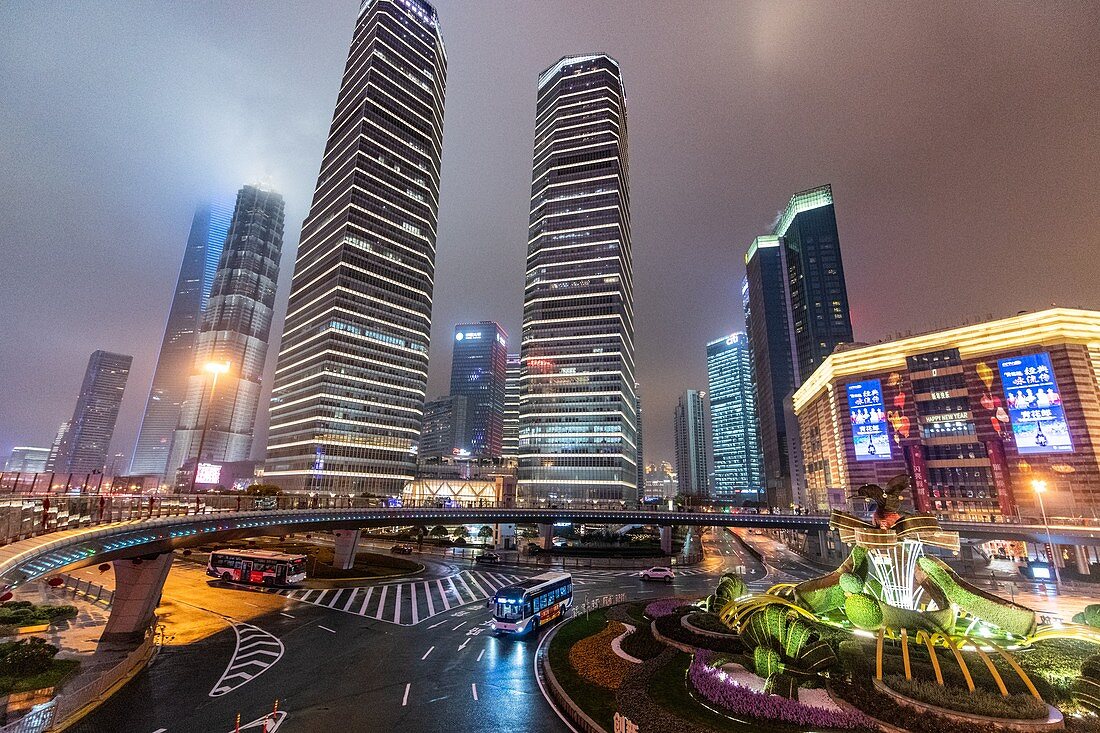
822, 546
546, 536
666, 540
347, 542
1082, 558
138, 584
504, 536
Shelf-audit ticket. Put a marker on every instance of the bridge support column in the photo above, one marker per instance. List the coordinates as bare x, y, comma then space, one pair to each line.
1081, 556
546, 536
138, 585
666, 540
347, 542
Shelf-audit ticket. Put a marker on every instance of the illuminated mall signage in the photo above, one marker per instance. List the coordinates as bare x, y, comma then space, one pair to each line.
208, 473
1034, 404
869, 432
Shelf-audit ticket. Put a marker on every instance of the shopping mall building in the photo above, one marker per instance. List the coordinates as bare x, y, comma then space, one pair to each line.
982, 417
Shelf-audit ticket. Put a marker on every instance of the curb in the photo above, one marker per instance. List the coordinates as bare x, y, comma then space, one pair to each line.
555, 695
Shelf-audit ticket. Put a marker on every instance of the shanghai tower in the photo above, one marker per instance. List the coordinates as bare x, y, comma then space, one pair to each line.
352, 370
578, 426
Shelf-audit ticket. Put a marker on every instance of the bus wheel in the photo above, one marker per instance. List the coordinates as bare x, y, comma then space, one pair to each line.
227, 577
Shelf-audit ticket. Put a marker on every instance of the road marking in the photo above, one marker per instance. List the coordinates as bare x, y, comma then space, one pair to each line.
405, 699
382, 602
235, 674
438, 624
463, 646
480, 655
351, 599
331, 631
397, 606
459, 626
363, 608
473, 688
469, 592
426, 654
428, 595
160, 730
282, 613
412, 601
443, 595
478, 585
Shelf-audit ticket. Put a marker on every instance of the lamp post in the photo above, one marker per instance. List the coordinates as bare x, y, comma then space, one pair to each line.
1040, 486
215, 368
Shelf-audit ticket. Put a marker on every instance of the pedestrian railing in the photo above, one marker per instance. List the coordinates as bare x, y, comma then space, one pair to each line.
92, 592
37, 720
597, 603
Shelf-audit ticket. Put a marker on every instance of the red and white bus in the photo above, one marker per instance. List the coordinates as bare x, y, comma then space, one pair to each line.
259, 567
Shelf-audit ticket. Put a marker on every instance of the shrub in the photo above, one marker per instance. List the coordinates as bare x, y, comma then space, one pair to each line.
58, 613
851, 583
665, 606
709, 622
978, 702
669, 626
17, 604
1057, 663
25, 658
894, 713
863, 611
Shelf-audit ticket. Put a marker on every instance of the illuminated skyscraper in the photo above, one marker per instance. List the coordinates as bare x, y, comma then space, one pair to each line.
236, 328
349, 386
53, 462
85, 445
510, 442
209, 228
479, 371
689, 425
738, 474
578, 408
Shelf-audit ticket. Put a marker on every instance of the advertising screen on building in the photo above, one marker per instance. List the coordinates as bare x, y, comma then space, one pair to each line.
1034, 404
208, 473
869, 434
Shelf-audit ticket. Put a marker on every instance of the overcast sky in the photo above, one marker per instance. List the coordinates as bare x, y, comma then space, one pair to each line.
962, 141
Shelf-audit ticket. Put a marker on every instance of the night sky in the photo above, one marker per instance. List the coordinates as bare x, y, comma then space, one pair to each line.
962, 141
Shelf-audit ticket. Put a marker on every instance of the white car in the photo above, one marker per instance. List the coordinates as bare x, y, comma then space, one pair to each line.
658, 573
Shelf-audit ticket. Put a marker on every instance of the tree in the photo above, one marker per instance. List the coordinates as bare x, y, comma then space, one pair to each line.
486, 532
439, 531
461, 531
263, 490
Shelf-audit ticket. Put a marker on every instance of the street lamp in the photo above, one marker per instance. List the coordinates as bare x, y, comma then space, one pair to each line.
1040, 486
215, 368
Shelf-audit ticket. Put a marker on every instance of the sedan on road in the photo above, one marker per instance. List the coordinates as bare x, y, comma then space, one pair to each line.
488, 558
658, 573
401, 550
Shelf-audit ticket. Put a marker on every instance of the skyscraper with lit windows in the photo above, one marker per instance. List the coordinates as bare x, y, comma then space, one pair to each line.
85, 444
738, 473
578, 407
479, 371
349, 389
510, 441
689, 425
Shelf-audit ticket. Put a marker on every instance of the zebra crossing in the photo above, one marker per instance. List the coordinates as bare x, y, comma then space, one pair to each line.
407, 603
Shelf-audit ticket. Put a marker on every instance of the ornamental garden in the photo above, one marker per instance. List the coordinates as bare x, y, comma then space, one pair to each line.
893, 639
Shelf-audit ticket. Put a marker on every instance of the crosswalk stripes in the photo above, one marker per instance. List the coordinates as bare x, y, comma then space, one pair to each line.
408, 603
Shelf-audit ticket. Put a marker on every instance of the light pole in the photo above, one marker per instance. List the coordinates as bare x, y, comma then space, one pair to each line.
215, 368
1040, 486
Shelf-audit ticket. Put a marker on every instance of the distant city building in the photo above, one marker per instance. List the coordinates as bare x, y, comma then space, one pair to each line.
236, 328
55, 447
689, 426
479, 372
209, 228
510, 441
25, 459
353, 365
444, 428
660, 481
641, 451
976, 415
796, 313
88, 439
738, 473
578, 409
116, 465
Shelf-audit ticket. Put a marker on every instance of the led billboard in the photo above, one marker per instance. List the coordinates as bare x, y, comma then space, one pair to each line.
1034, 404
869, 432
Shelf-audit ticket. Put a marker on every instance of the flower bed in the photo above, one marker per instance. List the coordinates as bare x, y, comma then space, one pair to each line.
979, 702
596, 662
671, 628
889, 711
641, 644
714, 685
665, 606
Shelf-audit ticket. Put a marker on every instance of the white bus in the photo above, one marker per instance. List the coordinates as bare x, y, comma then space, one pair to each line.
259, 567
534, 602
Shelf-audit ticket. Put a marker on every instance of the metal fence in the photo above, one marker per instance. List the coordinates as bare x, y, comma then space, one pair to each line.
91, 592
37, 720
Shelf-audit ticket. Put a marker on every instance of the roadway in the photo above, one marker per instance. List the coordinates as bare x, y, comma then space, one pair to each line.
410, 653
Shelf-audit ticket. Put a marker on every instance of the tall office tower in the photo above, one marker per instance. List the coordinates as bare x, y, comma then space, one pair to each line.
689, 425
817, 297
84, 448
641, 452
53, 461
738, 473
772, 356
479, 372
236, 327
353, 366
25, 459
578, 410
444, 429
209, 228
510, 442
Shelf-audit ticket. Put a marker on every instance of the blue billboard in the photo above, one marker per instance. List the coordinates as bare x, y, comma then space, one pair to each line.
1034, 405
869, 434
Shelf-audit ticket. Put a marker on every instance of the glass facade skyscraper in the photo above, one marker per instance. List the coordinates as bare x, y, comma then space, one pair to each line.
209, 228
479, 372
689, 424
578, 408
348, 398
510, 442
86, 443
738, 470
236, 328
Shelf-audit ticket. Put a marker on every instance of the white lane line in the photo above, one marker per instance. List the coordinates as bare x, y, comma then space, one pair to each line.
412, 602
321, 597
463, 645
331, 631
468, 591
480, 655
443, 595
484, 593
428, 595
405, 699
382, 602
351, 599
160, 730
454, 589
336, 599
363, 608
397, 606
427, 653
473, 688
438, 624
459, 626
281, 613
